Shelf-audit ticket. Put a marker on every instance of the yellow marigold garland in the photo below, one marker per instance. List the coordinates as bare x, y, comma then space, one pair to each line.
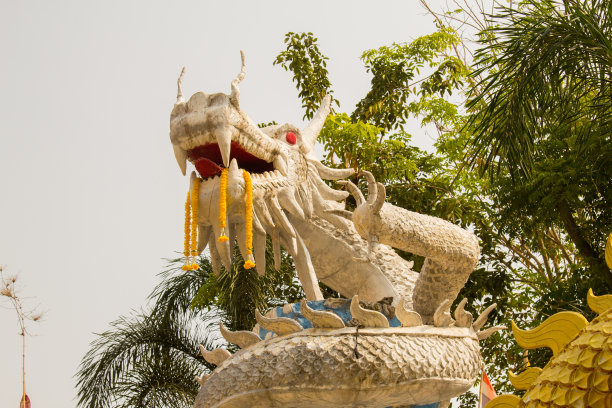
248, 184
187, 231
223, 205
191, 220
195, 201
190, 249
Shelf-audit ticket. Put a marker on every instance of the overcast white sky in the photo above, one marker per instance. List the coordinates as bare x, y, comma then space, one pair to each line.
90, 194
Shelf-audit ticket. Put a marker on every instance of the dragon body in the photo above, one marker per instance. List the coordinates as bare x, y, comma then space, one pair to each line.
327, 353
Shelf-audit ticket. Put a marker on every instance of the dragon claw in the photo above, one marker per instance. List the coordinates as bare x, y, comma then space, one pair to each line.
354, 190
372, 187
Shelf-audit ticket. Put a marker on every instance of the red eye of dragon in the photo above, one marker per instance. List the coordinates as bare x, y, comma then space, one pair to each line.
291, 139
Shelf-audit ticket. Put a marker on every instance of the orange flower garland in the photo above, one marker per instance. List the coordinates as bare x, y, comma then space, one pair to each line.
223, 205
195, 201
191, 220
190, 249
248, 184
187, 230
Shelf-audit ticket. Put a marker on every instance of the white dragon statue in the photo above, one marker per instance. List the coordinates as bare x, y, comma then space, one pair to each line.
392, 341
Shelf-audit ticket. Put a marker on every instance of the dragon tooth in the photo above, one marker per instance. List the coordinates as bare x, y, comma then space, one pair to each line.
233, 168
270, 149
280, 164
235, 181
267, 156
249, 146
259, 247
328, 173
181, 158
241, 238
278, 215
276, 249
257, 224
215, 258
286, 198
224, 140
257, 151
262, 213
203, 236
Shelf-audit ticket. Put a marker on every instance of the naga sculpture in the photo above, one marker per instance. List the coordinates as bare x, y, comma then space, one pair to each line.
392, 340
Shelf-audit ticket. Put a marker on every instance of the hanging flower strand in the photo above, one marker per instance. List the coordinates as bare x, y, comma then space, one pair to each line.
248, 184
190, 246
187, 232
223, 205
195, 200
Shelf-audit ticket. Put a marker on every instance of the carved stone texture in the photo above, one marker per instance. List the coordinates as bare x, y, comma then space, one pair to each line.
319, 368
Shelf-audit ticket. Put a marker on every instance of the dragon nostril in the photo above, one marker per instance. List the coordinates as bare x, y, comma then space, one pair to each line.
291, 139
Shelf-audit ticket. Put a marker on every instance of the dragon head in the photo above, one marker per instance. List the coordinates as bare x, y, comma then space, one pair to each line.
212, 132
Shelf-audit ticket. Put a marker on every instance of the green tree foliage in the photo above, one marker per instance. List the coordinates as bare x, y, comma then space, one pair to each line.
394, 69
235, 294
308, 65
545, 117
151, 358
530, 264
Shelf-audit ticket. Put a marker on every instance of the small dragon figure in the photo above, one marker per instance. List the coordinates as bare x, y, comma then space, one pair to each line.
334, 352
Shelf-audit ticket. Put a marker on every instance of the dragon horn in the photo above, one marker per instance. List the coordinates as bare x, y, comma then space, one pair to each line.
310, 133
179, 92
235, 95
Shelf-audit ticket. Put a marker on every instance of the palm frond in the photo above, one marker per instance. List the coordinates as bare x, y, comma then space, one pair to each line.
550, 69
130, 350
177, 288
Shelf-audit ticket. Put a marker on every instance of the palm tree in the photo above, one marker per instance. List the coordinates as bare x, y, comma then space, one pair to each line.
151, 356
543, 114
150, 359
548, 70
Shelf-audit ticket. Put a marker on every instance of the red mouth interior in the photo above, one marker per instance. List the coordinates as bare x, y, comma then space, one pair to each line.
208, 161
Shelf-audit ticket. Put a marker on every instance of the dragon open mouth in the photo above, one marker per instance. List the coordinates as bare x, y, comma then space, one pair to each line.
208, 161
